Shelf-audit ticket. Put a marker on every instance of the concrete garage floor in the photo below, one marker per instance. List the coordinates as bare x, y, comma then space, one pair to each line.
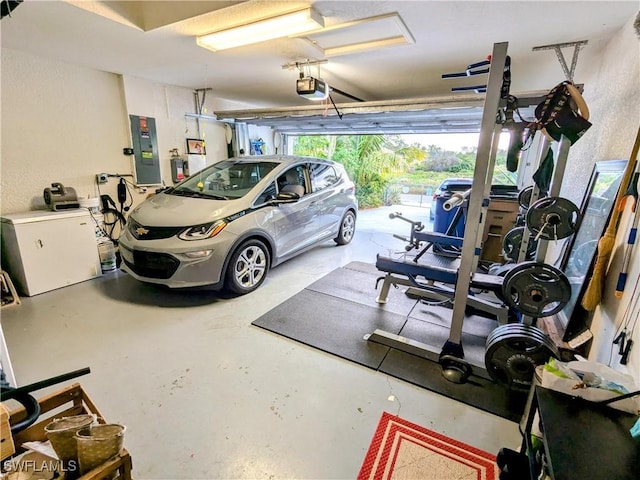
205, 395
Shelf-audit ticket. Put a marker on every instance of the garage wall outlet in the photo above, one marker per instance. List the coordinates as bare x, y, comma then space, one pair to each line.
102, 178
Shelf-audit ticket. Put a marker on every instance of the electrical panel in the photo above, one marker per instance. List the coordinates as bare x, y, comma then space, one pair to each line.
145, 151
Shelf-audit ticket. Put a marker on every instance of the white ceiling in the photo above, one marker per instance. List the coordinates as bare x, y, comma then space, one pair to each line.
155, 40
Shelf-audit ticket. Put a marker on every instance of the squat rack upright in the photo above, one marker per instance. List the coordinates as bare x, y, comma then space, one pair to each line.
479, 199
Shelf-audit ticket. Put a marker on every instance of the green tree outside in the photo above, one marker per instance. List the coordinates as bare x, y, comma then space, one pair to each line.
382, 166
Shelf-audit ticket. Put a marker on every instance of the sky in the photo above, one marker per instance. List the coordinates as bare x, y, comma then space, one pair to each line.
451, 141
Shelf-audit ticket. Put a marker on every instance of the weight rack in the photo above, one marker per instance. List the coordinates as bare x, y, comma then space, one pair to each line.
477, 207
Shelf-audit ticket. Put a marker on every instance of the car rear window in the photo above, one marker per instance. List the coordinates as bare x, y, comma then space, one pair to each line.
322, 176
455, 186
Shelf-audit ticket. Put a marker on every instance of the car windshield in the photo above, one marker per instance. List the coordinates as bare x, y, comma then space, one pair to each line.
226, 180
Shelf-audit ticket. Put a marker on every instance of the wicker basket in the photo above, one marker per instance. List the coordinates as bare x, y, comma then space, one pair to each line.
61, 434
98, 443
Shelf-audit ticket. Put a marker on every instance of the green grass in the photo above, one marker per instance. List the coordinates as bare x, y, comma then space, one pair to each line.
420, 182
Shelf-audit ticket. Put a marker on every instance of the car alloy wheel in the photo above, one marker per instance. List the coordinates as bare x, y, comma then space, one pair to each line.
248, 267
347, 228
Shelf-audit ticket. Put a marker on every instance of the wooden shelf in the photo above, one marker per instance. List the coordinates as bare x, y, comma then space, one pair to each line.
69, 401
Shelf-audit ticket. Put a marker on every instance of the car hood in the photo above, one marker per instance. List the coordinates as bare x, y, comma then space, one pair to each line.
163, 210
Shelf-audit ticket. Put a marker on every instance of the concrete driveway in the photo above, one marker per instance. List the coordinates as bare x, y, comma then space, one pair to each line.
377, 219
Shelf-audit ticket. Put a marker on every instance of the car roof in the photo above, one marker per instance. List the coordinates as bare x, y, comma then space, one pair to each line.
282, 159
446, 183
458, 180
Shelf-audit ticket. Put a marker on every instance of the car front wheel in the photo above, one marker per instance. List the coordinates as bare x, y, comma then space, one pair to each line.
347, 228
247, 267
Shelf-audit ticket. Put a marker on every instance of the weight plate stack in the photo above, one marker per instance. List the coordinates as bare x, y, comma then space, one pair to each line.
536, 289
514, 351
524, 197
553, 218
511, 245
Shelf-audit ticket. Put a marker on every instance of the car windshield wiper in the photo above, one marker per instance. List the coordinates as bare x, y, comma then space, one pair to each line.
191, 193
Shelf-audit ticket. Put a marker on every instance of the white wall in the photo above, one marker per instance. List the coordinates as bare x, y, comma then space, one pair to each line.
65, 123
612, 90
266, 134
168, 105
60, 123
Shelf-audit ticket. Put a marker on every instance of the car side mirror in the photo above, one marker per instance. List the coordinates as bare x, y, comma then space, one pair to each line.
287, 197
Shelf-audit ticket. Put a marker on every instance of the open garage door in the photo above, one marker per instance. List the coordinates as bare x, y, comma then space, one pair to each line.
444, 114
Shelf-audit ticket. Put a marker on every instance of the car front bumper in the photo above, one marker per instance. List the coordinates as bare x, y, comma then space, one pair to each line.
176, 263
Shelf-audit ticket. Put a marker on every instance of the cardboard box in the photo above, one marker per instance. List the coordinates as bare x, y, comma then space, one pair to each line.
501, 217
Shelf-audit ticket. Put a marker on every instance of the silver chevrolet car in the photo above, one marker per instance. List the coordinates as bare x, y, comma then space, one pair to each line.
228, 224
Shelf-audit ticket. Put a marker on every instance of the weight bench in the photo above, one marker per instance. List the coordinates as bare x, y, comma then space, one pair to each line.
535, 289
443, 244
438, 273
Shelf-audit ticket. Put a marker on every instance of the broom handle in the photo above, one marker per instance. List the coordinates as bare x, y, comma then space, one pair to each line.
619, 208
612, 227
622, 276
593, 294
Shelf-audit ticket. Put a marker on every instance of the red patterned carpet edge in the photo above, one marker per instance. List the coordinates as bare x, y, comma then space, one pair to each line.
403, 450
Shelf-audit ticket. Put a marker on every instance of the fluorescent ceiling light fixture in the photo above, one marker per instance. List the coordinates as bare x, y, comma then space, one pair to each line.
288, 24
361, 35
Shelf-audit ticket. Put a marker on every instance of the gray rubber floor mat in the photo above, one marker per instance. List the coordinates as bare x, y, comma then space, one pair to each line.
336, 312
332, 324
477, 392
359, 285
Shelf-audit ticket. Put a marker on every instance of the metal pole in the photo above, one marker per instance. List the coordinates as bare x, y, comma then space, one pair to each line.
487, 193
561, 163
554, 189
544, 146
345, 94
469, 247
32, 387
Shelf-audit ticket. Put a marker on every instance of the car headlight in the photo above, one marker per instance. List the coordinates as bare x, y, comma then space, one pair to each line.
206, 230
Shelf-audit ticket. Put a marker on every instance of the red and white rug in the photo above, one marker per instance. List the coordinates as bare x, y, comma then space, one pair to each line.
402, 450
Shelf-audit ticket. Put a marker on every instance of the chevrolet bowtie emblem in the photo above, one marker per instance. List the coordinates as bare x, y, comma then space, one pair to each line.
141, 231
